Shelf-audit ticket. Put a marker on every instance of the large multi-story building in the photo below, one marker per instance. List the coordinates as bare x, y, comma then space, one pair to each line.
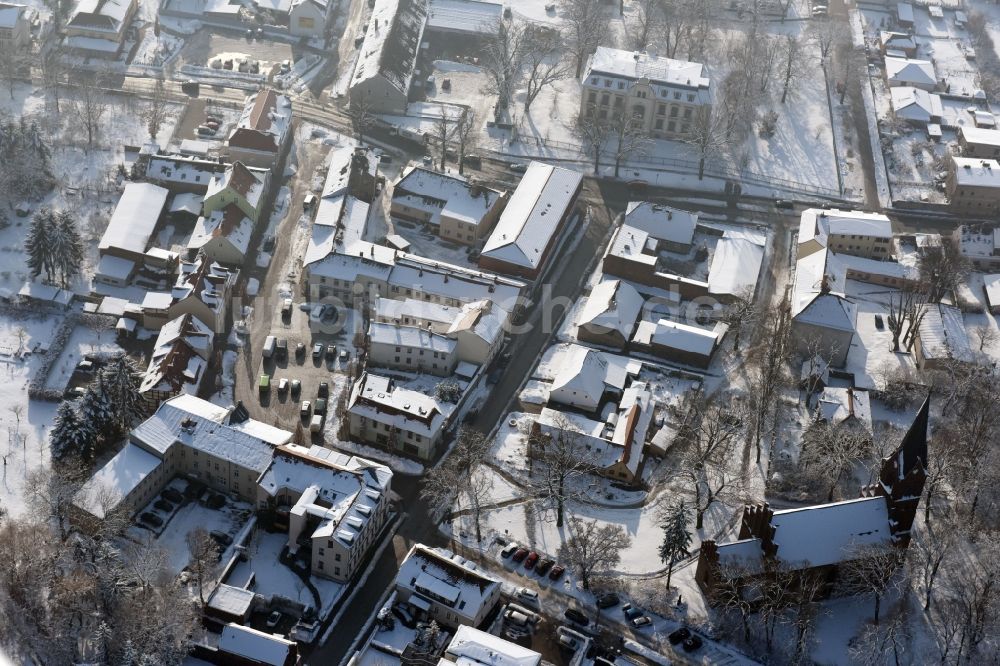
335, 505
99, 27
460, 211
446, 587
856, 233
661, 95
264, 130
14, 30
395, 417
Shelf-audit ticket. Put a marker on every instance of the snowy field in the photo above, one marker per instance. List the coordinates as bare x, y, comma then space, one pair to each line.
24, 422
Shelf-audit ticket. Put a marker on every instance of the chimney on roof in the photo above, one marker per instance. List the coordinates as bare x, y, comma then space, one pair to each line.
824, 285
850, 401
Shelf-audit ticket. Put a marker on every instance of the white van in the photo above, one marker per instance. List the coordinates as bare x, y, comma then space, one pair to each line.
316, 424
270, 342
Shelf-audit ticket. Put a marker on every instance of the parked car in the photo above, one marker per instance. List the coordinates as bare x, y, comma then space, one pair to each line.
286, 308
531, 560
573, 615
607, 600
331, 352
264, 384
152, 519
268, 244
319, 407
641, 621
693, 643
557, 572
296, 388
163, 505
306, 409
527, 596
221, 538
473, 160
300, 350
172, 495
282, 349
316, 424
568, 642
630, 611
520, 554
509, 549
205, 130
543, 567
317, 350
273, 620
324, 390
518, 167
283, 386
190, 88
679, 635
344, 356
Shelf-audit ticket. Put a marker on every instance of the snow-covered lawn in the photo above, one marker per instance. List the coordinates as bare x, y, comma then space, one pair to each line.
84, 340
26, 447
272, 578
229, 519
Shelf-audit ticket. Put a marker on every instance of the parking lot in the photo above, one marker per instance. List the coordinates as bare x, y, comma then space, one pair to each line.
309, 364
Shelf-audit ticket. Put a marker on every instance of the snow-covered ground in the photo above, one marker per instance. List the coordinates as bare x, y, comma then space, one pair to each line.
272, 578
23, 423
229, 519
84, 340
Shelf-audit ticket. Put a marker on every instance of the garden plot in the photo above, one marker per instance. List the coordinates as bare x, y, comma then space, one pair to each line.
83, 341
23, 422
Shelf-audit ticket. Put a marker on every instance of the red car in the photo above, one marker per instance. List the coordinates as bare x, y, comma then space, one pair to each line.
520, 554
557, 572
529, 563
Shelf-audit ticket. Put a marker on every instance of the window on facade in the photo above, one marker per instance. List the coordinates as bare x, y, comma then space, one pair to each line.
661, 109
690, 97
659, 124
321, 564
677, 95
673, 111
687, 114
337, 555
607, 83
671, 126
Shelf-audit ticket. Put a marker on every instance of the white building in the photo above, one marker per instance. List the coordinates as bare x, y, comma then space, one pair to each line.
856, 233
524, 237
397, 418
388, 55
307, 18
661, 95
99, 27
472, 647
335, 504
907, 72
586, 377
609, 316
679, 342
915, 106
203, 289
14, 30
132, 224
446, 587
411, 348
672, 226
460, 211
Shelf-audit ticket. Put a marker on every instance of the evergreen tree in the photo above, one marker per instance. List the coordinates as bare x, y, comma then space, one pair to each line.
97, 409
38, 244
71, 434
67, 247
676, 537
121, 381
129, 656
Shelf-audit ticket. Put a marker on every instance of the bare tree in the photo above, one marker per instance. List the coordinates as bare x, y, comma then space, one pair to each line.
926, 553
803, 587
593, 548
157, 112
543, 62
831, 451
630, 138
595, 129
587, 27
53, 489
445, 128
740, 314
12, 66
792, 66
767, 369
872, 569
204, 558
827, 34
941, 269
649, 19
561, 464
890, 637
461, 477
466, 133
91, 104
708, 136
362, 116
503, 54
985, 335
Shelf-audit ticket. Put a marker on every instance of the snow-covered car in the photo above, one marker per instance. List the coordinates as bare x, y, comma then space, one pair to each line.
527, 596
273, 619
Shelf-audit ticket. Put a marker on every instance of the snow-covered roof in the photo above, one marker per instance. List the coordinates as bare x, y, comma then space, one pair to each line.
156, 300
446, 575
255, 646
468, 16
659, 221
392, 42
229, 600
183, 169
736, 264
112, 483
444, 195
897, 40
634, 66
229, 223
412, 310
378, 398
180, 356
583, 373
484, 319
207, 281
829, 310
612, 305
528, 224
264, 123
942, 333
202, 425
409, 336
102, 15
976, 172
827, 533
340, 490
904, 12
683, 337
981, 136
991, 284
837, 405
114, 267
914, 103
907, 71
134, 219
246, 182
472, 647
186, 202
338, 219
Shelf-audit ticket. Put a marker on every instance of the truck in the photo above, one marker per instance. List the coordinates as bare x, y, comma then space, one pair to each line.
270, 342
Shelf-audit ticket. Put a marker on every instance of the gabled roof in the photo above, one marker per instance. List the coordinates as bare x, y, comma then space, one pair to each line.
639, 65
659, 221
613, 305
829, 310
905, 70
256, 646
529, 222
914, 103
392, 42
838, 405
229, 223
942, 333
135, 218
